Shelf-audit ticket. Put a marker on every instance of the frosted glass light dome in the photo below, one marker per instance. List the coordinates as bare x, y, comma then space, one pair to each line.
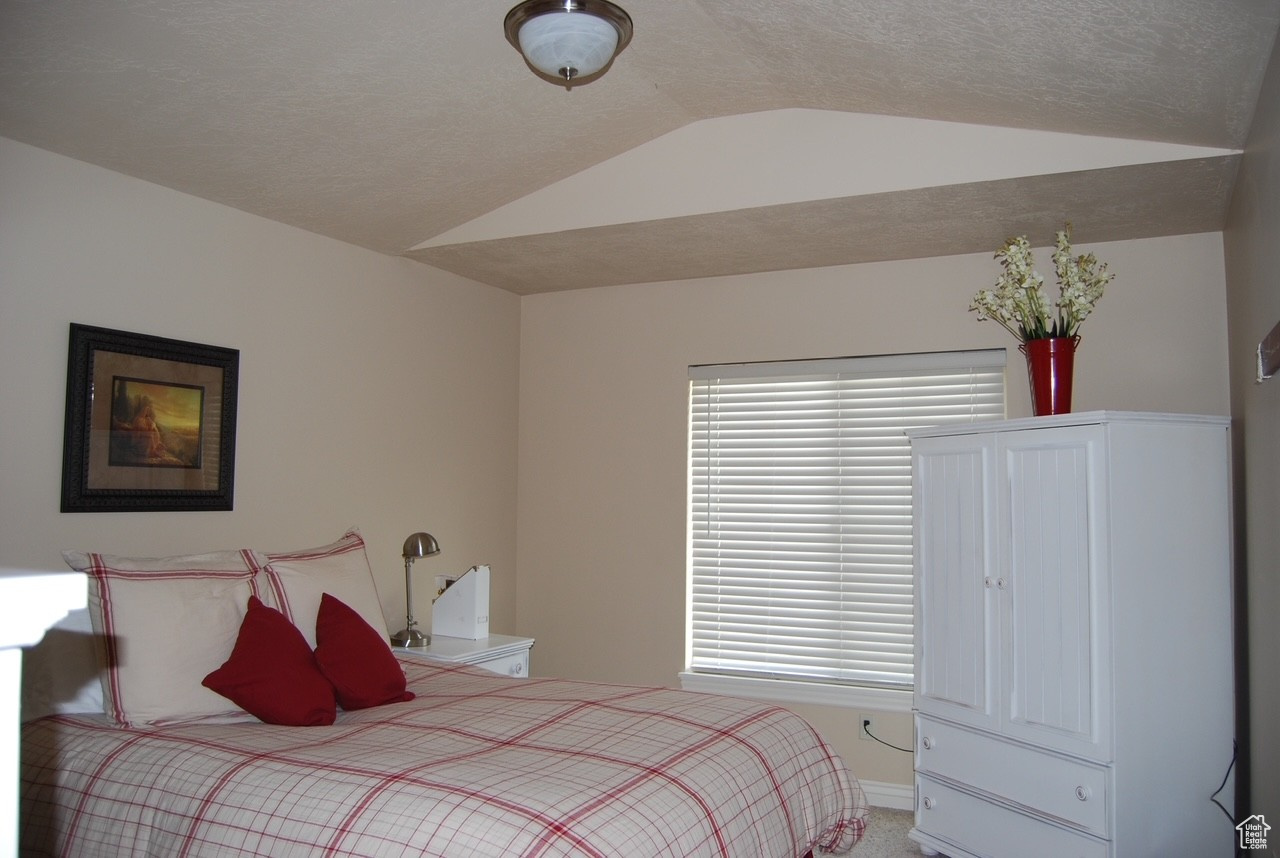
568, 39
568, 46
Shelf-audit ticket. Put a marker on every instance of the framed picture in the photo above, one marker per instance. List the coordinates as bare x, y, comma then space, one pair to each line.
150, 425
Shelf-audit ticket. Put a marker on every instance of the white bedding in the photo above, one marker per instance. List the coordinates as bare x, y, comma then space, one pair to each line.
478, 765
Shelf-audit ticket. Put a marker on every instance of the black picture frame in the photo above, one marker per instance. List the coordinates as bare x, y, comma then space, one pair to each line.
150, 423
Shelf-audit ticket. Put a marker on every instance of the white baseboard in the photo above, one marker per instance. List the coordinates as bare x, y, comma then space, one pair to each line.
896, 796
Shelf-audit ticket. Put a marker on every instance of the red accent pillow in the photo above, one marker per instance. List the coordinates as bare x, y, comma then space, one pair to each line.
272, 673
356, 659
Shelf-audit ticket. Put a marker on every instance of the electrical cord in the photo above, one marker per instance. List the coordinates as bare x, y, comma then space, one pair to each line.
866, 728
1214, 798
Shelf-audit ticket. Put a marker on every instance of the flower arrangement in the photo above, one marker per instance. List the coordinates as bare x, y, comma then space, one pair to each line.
1018, 303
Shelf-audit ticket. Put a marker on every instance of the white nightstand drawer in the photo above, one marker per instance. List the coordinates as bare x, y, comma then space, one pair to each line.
500, 653
1071, 790
990, 829
516, 664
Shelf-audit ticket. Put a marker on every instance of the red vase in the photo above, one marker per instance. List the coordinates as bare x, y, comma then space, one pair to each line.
1050, 363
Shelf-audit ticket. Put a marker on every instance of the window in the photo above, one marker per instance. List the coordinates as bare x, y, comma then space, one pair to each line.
800, 517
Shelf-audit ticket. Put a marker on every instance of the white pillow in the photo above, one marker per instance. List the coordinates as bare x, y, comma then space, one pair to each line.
296, 580
164, 624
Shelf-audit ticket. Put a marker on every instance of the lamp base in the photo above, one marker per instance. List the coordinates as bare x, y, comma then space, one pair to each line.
410, 638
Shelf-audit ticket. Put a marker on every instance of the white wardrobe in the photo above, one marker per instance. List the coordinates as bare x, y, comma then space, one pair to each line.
1074, 690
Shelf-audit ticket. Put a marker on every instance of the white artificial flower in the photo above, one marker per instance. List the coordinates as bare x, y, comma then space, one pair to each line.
1018, 303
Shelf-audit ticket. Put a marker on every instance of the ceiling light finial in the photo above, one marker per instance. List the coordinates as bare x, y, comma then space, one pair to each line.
568, 40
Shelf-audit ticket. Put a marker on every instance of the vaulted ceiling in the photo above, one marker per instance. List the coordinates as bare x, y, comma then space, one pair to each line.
730, 136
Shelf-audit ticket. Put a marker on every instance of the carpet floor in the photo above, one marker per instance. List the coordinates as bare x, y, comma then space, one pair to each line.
886, 835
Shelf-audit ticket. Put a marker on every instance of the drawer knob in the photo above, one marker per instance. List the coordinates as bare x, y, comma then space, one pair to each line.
987, 581
929, 803
1000, 583
1083, 793
927, 742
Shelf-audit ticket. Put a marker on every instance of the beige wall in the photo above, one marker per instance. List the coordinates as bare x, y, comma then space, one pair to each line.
340, 349
374, 391
603, 407
1252, 242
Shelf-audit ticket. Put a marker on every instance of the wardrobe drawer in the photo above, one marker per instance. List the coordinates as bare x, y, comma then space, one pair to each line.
1071, 790
948, 816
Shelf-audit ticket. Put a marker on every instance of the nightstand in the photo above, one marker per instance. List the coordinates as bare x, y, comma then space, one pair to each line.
500, 653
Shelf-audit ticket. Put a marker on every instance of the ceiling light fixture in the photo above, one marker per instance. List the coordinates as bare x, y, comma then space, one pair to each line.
568, 41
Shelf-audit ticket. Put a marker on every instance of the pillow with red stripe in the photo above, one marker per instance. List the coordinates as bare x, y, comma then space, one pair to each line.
162, 623
293, 581
272, 674
356, 659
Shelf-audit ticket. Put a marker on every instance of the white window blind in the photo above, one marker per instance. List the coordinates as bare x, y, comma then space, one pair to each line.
800, 509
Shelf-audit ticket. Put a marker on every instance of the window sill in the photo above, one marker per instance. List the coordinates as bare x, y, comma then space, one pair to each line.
788, 691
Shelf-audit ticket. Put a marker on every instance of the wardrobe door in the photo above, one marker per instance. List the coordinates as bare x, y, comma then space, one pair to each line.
1053, 589
954, 591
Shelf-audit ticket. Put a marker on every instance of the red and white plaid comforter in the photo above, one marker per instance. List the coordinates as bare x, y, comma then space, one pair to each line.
477, 765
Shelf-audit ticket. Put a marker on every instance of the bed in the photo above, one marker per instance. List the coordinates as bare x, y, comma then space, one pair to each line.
456, 761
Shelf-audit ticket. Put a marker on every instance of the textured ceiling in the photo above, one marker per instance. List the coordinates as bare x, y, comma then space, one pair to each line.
386, 123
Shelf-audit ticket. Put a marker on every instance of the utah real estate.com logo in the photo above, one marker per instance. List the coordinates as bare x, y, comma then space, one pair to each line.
1253, 832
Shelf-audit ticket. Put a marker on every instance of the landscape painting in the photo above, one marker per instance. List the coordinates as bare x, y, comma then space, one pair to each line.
155, 425
150, 423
